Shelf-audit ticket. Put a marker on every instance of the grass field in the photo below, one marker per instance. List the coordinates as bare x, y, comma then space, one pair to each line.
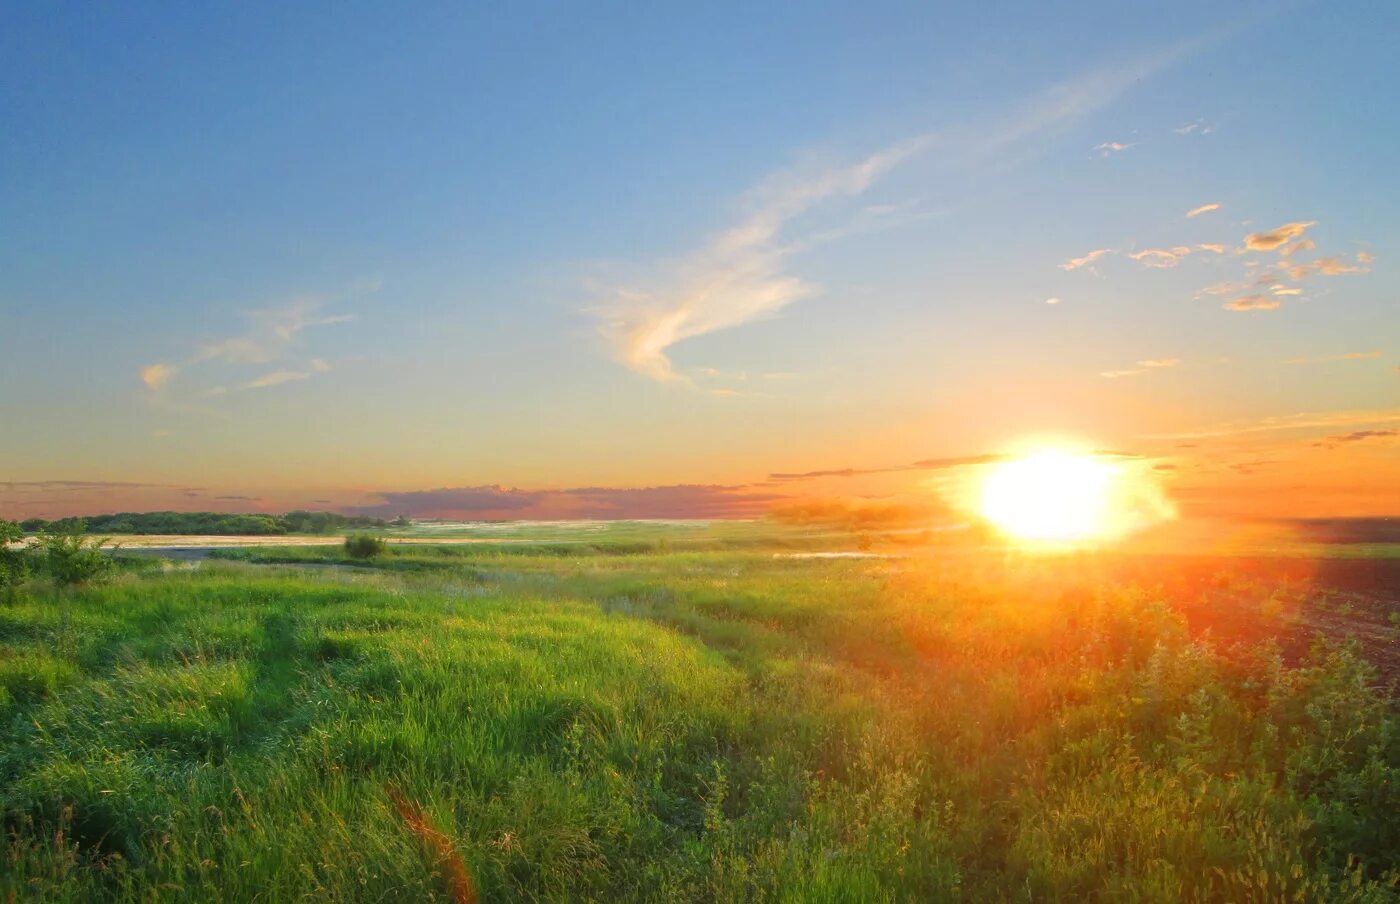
637, 720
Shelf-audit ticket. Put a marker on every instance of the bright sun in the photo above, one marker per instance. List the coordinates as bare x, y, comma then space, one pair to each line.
1051, 496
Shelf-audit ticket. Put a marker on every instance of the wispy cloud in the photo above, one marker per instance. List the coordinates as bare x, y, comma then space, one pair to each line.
494, 501
741, 274
1307, 420
1204, 208
927, 464
1160, 258
1356, 436
1086, 260
276, 378
1142, 367
1326, 266
738, 276
1198, 127
1347, 356
272, 333
1113, 147
1252, 303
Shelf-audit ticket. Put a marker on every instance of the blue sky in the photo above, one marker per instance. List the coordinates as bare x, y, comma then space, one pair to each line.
379, 249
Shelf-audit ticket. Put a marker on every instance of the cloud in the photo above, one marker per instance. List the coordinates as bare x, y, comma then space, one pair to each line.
958, 461
1307, 420
275, 378
741, 274
1115, 374
1326, 266
73, 486
1160, 362
927, 464
1252, 303
1198, 127
1075, 263
1216, 249
1295, 247
1160, 258
1222, 288
1347, 356
1356, 436
1053, 300
1112, 147
1204, 208
493, 501
272, 333
737, 277
155, 375
1268, 241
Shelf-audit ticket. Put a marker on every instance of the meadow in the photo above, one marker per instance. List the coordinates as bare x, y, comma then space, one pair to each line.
666, 716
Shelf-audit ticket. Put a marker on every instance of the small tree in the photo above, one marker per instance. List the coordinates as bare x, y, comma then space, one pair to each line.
71, 558
14, 558
364, 546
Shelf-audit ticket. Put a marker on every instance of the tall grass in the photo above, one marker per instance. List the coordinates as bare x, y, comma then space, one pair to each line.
696, 726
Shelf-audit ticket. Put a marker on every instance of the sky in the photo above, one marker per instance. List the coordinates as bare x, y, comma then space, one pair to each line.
701, 260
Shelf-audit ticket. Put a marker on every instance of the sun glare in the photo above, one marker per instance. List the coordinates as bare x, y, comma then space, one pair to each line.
1052, 496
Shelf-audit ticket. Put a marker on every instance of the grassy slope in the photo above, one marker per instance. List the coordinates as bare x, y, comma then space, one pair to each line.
692, 726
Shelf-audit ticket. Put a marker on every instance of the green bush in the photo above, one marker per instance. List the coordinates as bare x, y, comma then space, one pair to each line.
70, 558
364, 546
14, 560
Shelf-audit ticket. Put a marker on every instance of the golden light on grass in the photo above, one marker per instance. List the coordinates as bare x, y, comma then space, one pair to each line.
1056, 497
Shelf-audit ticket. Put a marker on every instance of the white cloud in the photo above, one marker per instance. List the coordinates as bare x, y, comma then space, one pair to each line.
742, 273
1112, 147
1204, 208
272, 333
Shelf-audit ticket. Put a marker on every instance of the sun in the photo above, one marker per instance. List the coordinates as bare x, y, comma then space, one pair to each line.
1051, 496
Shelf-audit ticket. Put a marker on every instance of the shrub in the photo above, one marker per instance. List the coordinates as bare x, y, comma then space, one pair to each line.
14, 560
70, 558
364, 546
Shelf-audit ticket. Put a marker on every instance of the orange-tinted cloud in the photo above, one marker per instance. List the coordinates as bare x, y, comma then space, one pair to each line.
1160, 258
1075, 263
155, 375
1204, 208
1268, 241
1252, 303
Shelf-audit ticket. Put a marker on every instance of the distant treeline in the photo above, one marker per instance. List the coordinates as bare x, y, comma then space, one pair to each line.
1348, 530
297, 522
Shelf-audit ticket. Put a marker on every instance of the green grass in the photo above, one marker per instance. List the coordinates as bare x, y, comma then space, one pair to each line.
587, 722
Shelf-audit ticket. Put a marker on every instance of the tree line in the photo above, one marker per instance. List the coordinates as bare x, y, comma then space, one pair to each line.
221, 523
